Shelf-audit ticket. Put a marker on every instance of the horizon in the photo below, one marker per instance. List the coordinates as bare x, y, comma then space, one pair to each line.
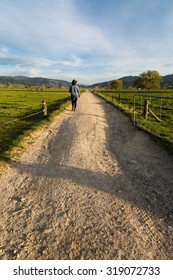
82, 84
93, 41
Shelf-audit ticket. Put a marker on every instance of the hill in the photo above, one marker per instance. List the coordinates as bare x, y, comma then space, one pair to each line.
128, 81
33, 81
167, 81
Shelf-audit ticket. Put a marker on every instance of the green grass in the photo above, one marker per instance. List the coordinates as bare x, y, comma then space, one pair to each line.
17, 104
162, 107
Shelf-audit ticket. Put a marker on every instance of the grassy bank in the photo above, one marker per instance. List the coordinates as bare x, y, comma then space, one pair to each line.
21, 113
132, 103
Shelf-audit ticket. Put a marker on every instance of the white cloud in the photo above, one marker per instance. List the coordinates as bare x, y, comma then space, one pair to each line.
72, 61
34, 73
59, 39
49, 26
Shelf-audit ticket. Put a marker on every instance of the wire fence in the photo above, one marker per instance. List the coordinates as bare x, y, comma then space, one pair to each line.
23, 111
43, 111
22, 118
154, 114
149, 111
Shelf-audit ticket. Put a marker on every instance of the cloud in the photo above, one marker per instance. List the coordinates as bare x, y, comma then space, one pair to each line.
72, 61
34, 73
89, 39
49, 26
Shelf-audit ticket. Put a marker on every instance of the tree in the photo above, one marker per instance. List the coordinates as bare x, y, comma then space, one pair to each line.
148, 80
116, 84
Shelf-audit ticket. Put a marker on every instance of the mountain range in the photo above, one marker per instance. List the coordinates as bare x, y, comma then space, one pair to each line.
37, 82
167, 81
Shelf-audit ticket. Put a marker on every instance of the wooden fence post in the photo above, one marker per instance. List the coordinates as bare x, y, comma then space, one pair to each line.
154, 115
44, 107
146, 107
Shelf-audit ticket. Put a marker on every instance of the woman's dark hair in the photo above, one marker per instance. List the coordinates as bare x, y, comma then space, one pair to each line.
74, 82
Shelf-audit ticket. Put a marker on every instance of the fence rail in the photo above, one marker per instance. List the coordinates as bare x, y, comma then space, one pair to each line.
44, 111
154, 113
149, 111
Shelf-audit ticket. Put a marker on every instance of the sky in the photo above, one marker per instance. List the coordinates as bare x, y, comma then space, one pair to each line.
87, 40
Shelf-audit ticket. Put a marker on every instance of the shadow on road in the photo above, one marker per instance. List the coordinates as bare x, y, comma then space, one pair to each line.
143, 183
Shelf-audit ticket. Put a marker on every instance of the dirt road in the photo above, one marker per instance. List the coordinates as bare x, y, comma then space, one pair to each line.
89, 186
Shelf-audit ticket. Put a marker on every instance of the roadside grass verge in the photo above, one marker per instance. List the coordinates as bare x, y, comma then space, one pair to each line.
160, 131
21, 113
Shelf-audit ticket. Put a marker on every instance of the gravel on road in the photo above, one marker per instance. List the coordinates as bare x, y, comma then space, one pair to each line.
88, 186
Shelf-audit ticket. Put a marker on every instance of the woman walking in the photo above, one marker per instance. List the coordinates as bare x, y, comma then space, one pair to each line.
75, 93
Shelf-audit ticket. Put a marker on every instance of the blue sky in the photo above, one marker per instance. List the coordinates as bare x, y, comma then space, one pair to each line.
88, 40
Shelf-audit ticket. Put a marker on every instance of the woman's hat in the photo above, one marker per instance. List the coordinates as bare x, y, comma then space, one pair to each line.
74, 82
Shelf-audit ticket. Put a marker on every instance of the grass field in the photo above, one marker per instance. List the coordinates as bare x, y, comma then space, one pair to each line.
132, 103
17, 104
